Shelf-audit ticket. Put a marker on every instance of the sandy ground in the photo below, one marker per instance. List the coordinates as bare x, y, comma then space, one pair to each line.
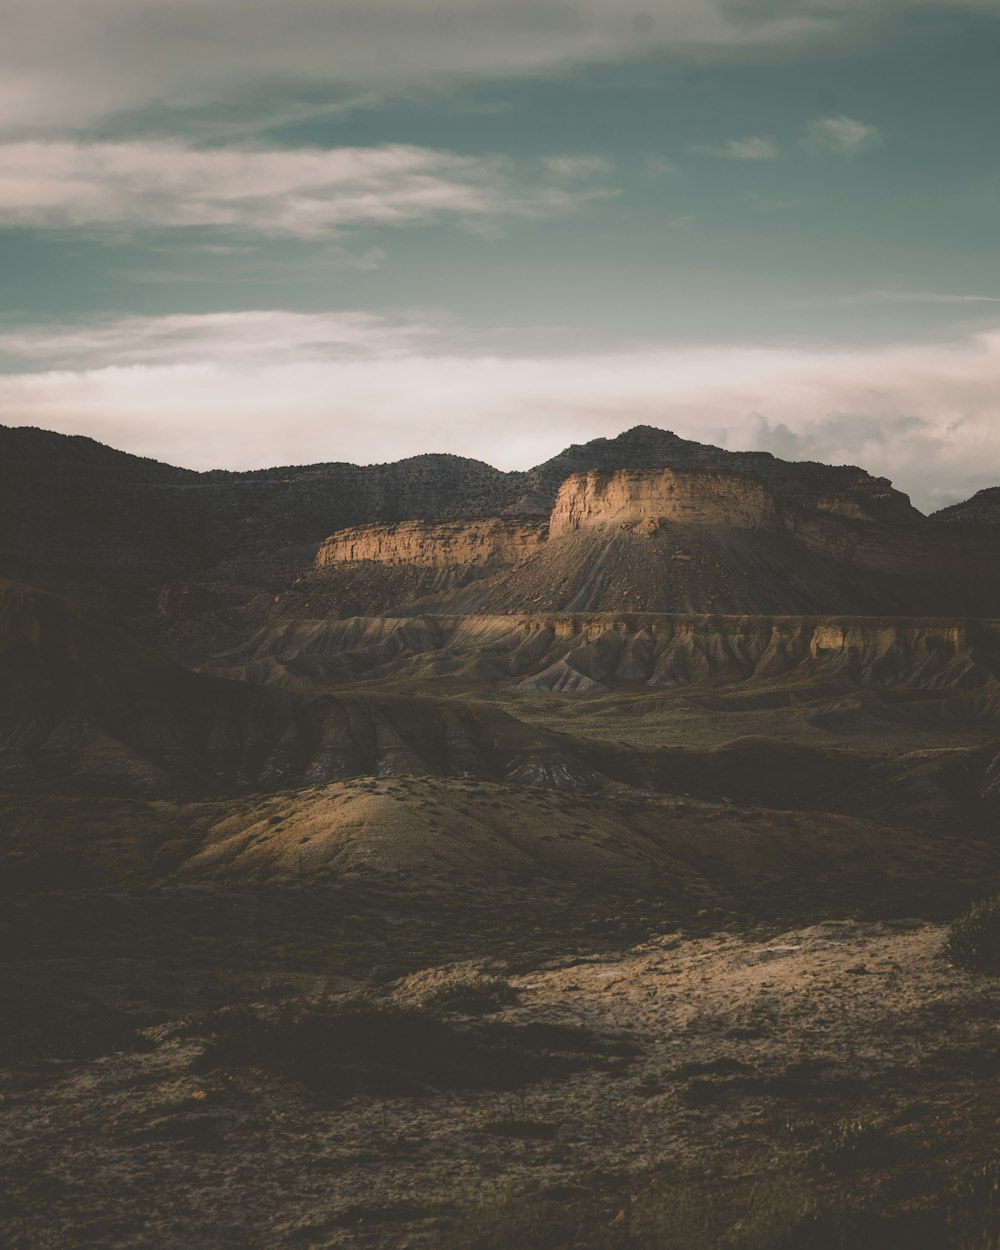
731, 1037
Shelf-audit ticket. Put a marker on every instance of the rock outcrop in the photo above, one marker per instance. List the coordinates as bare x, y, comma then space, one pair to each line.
487, 544
642, 498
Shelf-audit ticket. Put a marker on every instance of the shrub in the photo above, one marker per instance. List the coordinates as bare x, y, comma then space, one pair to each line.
472, 997
340, 1049
973, 940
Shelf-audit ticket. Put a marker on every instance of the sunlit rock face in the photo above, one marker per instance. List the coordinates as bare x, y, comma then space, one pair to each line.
643, 497
490, 543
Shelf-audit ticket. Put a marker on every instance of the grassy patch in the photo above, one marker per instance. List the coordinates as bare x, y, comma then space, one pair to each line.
525, 1130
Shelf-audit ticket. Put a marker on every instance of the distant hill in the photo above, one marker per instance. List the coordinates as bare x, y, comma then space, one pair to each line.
982, 509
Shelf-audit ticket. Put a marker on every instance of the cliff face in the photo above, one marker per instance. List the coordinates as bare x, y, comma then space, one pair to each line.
642, 498
491, 543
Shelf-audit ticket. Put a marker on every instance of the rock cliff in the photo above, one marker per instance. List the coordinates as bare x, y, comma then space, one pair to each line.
490, 543
642, 498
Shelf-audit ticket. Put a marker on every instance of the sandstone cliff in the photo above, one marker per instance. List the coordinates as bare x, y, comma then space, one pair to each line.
490, 543
642, 498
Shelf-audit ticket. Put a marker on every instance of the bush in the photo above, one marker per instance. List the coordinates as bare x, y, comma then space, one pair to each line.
973, 940
341, 1049
473, 997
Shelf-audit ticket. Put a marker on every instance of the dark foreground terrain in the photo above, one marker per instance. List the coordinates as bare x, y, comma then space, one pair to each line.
204, 1069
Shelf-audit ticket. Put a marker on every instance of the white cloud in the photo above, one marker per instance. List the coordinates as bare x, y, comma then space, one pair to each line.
578, 166
909, 297
304, 193
253, 389
65, 63
218, 339
752, 148
840, 136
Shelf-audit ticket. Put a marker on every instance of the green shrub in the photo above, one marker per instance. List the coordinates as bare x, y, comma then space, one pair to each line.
973, 940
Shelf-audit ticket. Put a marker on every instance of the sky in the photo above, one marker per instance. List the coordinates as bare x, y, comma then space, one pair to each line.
241, 233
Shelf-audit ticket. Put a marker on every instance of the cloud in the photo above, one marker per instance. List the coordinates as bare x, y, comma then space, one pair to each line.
298, 193
67, 63
844, 435
910, 297
573, 167
840, 136
752, 148
219, 339
245, 390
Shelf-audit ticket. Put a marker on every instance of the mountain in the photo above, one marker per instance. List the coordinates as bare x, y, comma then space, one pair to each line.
81, 518
667, 540
640, 616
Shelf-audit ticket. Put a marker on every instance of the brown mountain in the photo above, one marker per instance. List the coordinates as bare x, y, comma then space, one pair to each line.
81, 518
670, 540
